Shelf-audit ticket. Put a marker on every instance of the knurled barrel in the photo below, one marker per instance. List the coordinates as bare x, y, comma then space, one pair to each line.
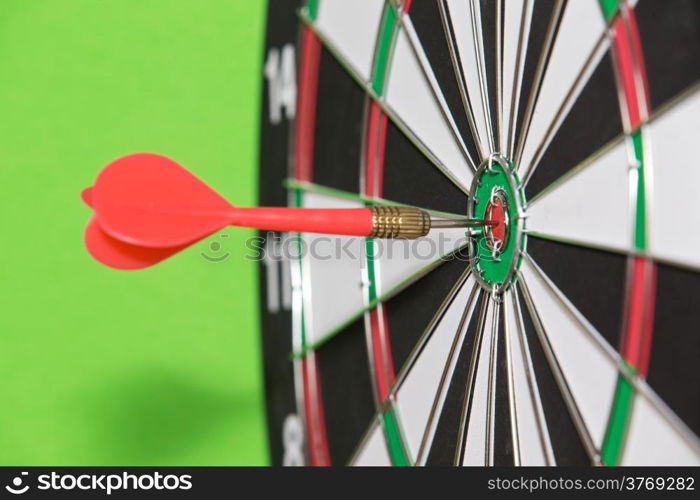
399, 222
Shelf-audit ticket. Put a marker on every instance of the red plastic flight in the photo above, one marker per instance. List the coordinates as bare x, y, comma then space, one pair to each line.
119, 255
148, 207
152, 201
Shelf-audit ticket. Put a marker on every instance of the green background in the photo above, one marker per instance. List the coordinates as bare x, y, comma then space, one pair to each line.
97, 366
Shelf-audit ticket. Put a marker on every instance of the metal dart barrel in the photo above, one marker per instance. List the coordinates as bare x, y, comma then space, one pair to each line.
410, 223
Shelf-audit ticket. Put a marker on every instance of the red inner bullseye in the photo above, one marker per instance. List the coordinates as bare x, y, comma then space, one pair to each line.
496, 212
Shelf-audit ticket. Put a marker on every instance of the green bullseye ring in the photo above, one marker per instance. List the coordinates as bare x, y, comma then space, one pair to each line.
495, 262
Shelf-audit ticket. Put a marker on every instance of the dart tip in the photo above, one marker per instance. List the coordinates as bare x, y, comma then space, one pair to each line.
462, 223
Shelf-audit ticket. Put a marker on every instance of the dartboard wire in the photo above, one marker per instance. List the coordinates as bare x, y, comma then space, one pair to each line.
540, 70
312, 187
405, 283
371, 175
369, 106
581, 166
532, 386
579, 82
297, 338
596, 55
375, 423
447, 372
417, 48
301, 151
513, 409
459, 77
517, 80
465, 416
569, 400
625, 9
383, 105
477, 31
640, 286
632, 251
295, 280
371, 171
661, 111
622, 367
430, 328
564, 108
499, 74
491, 385
423, 340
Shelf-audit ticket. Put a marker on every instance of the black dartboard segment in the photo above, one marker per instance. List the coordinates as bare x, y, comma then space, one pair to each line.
446, 443
407, 172
674, 372
410, 312
593, 121
565, 439
338, 136
490, 29
346, 388
427, 21
503, 453
670, 36
580, 274
545, 16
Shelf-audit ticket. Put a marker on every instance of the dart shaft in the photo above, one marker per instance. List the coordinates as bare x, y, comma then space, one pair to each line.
376, 222
341, 221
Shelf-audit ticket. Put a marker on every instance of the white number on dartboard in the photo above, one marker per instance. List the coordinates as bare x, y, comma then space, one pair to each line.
280, 72
292, 440
278, 273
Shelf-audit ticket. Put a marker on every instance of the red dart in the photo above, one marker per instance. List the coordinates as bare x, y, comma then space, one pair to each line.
86, 196
150, 200
148, 207
119, 255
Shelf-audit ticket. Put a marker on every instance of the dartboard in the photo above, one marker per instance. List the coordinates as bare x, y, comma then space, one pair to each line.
566, 332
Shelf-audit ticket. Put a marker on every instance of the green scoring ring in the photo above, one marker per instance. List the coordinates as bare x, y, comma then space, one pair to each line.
497, 273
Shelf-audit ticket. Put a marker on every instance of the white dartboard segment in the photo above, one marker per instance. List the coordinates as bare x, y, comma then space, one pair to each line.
478, 430
582, 26
410, 96
462, 23
397, 261
652, 440
589, 371
413, 39
373, 452
675, 176
533, 444
352, 28
516, 16
421, 388
591, 207
331, 273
